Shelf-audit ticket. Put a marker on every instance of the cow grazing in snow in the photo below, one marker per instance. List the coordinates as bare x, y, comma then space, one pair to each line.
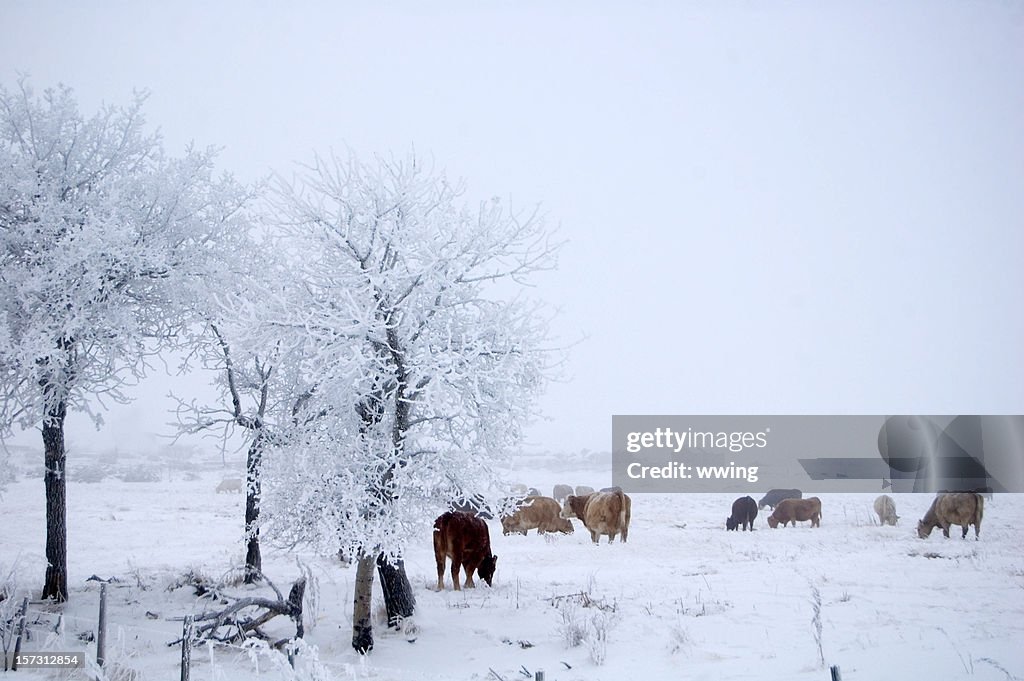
774, 496
463, 538
601, 512
744, 510
885, 507
957, 508
230, 485
560, 492
985, 492
536, 513
584, 490
793, 510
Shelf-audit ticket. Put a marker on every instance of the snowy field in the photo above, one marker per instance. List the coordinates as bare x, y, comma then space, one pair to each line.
682, 599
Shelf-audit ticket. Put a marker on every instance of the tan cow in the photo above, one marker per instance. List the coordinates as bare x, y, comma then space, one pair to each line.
601, 512
230, 485
957, 508
793, 510
536, 513
885, 507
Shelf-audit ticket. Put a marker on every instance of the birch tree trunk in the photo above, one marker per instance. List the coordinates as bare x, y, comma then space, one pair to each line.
362, 622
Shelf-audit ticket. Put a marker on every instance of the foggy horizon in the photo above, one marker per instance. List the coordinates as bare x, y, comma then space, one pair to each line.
794, 209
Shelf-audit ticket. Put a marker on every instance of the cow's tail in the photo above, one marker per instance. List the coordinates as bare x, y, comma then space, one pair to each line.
979, 509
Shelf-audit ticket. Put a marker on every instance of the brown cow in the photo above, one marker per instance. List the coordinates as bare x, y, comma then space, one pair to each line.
958, 508
601, 512
536, 513
793, 510
463, 538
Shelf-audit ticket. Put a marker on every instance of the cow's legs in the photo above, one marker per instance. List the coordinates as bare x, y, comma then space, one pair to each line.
945, 530
977, 529
594, 536
456, 568
611, 537
470, 569
440, 574
439, 556
966, 527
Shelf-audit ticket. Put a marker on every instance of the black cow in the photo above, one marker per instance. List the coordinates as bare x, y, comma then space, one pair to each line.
744, 510
774, 496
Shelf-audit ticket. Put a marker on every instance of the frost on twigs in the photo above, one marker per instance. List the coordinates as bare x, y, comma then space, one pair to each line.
586, 618
104, 240
418, 355
244, 617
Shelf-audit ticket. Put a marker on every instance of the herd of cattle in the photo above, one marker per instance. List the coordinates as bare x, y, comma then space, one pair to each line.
462, 535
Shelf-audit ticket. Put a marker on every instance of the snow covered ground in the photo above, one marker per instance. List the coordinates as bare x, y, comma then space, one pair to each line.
682, 599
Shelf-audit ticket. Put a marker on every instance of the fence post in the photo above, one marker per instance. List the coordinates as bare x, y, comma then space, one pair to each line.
101, 630
21, 631
835, 673
186, 647
539, 676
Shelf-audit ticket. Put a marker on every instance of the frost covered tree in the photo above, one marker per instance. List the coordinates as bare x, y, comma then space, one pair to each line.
103, 241
422, 354
259, 386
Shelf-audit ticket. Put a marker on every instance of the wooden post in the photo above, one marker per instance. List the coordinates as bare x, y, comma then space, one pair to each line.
186, 647
101, 630
21, 630
835, 673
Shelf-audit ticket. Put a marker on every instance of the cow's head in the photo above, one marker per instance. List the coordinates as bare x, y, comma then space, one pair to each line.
506, 524
486, 569
773, 522
924, 529
567, 511
564, 526
731, 524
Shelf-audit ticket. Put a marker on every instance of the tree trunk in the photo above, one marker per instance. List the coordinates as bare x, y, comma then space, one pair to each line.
55, 483
362, 622
398, 596
253, 488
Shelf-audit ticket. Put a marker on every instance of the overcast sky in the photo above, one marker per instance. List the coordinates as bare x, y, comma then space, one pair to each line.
770, 207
